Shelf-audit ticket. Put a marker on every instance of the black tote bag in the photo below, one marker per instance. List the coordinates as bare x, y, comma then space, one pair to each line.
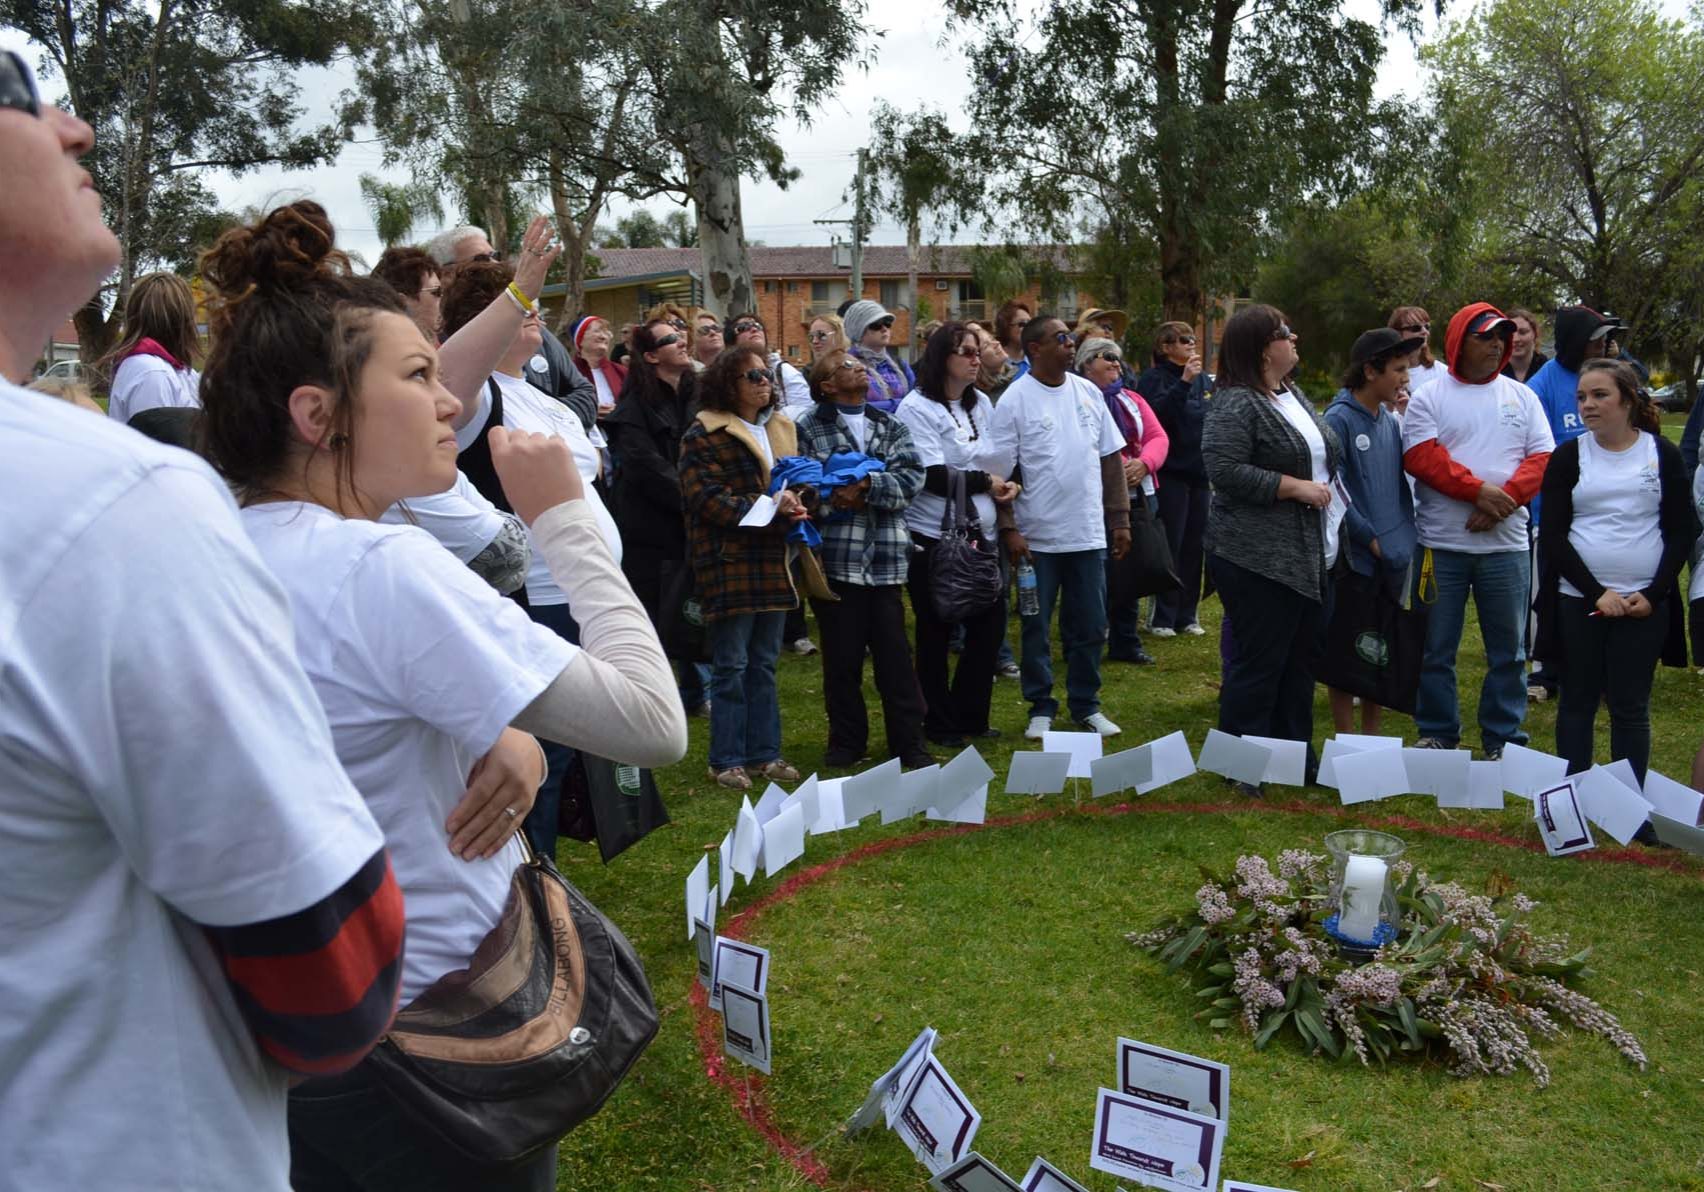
1147, 569
1373, 646
615, 804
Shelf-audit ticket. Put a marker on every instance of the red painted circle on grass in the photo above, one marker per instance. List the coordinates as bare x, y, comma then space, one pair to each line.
748, 1092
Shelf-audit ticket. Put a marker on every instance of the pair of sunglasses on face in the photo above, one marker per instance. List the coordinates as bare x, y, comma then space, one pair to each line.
743, 327
17, 85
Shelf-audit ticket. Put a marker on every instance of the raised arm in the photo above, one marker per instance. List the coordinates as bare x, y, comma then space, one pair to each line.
468, 356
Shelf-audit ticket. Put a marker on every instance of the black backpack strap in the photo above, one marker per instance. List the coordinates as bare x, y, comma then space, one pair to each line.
475, 462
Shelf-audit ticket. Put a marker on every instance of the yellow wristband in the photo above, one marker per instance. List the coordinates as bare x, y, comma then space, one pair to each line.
521, 300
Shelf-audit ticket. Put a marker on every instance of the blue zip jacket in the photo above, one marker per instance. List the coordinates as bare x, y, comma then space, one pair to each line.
1380, 503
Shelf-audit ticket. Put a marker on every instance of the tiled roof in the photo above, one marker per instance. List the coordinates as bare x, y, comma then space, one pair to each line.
803, 260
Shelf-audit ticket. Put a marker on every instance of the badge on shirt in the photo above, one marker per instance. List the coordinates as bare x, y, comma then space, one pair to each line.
1510, 412
1363, 443
1649, 481
1047, 422
1088, 414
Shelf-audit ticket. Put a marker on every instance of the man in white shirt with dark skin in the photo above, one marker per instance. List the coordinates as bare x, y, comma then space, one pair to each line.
1053, 433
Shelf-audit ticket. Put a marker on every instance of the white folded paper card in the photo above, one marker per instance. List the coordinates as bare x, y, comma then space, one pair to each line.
1485, 786
1344, 743
1289, 763
830, 817
1044, 1177
1622, 771
1528, 770
1121, 771
761, 513
1155, 1145
1671, 800
884, 1086
959, 781
783, 840
1678, 835
971, 809
1233, 757
1370, 774
1033, 773
914, 794
1083, 748
769, 804
748, 840
973, 1173
697, 890
1610, 804
744, 964
725, 868
1174, 1078
1172, 761
1442, 773
862, 794
745, 1025
1560, 821
935, 1119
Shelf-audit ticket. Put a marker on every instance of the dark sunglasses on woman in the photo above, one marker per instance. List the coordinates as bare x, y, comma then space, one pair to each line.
742, 328
17, 85
665, 341
757, 376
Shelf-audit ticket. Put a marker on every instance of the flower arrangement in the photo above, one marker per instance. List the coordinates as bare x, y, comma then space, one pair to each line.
1465, 976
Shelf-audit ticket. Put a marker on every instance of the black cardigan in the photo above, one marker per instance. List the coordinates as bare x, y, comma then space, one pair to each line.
1679, 523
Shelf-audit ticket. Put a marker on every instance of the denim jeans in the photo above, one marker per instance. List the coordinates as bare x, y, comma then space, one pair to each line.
540, 824
1499, 582
1082, 631
745, 710
694, 684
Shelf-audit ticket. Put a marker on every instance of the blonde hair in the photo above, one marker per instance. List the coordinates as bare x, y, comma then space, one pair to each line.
160, 307
835, 325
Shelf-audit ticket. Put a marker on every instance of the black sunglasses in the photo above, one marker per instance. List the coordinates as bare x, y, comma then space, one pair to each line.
493, 255
665, 341
968, 352
1283, 332
1415, 328
882, 324
850, 363
17, 85
677, 324
743, 327
1182, 339
709, 328
1111, 357
1065, 338
757, 376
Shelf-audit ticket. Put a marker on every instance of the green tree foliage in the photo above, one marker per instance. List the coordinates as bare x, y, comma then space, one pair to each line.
1184, 122
396, 207
1581, 122
173, 88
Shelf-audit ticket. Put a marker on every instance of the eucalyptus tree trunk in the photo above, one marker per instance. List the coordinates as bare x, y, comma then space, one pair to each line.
715, 184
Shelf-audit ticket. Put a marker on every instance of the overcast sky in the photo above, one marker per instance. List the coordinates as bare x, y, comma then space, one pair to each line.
913, 66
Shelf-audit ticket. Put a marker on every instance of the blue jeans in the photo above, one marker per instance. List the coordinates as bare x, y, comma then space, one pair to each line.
745, 710
694, 684
1499, 582
540, 824
1082, 631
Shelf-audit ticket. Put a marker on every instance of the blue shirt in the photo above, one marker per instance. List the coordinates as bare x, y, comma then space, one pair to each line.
1381, 505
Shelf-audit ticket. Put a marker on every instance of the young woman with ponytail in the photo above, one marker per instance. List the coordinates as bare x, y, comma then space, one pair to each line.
1618, 525
324, 406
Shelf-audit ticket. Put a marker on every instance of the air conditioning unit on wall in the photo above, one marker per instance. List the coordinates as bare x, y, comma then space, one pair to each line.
941, 283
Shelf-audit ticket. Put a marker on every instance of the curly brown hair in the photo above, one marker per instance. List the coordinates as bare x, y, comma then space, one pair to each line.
719, 383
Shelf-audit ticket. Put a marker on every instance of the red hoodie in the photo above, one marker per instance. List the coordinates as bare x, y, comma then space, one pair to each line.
1432, 464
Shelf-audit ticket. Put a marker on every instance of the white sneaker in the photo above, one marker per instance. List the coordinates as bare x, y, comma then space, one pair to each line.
1038, 725
1163, 631
1194, 629
1097, 722
804, 645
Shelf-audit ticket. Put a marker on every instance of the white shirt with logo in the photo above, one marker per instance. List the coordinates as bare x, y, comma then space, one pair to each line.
1488, 429
1617, 527
1059, 434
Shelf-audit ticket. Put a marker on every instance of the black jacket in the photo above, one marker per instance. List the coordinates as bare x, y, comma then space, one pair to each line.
1679, 530
1181, 407
644, 443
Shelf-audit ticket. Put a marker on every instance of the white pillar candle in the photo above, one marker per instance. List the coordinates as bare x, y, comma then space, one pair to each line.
1363, 890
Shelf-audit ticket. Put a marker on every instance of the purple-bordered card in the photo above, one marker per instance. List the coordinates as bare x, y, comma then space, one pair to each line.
1160, 1147
1174, 1078
1560, 821
936, 1120
740, 962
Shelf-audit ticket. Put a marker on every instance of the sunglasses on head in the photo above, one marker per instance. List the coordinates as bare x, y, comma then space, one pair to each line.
757, 376
665, 341
744, 326
17, 85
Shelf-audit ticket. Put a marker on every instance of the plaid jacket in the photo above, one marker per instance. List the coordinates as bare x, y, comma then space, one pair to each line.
737, 569
872, 546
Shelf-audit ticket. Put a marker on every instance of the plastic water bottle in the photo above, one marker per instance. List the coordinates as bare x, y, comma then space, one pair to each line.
1029, 600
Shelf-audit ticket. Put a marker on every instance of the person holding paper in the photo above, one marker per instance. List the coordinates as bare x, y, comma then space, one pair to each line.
1272, 530
866, 551
1618, 526
743, 583
1477, 443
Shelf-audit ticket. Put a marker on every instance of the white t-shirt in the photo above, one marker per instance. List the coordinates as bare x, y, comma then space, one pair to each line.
149, 383
1617, 528
857, 425
1695, 590
1488, 429
1059, 434
530, 409
165, 763
761, 434
419, 665
459, 517
1331, 518
1135, 412
943, 436
1422, 375
606, 395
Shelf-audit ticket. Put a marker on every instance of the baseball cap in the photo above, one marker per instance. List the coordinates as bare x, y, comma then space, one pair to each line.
1489, 320
1381, 340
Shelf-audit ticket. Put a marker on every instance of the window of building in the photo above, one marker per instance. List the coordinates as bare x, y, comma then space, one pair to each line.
822, 292
888, 294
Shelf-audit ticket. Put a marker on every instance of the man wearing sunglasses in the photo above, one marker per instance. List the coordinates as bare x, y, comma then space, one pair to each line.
1052, 430
1477, 442
174, 821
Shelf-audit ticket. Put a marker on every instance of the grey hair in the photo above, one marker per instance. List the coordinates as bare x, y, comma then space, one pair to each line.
442, 247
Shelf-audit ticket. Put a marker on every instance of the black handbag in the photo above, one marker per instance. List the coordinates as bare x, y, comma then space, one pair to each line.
504, 1057
680, 616
964, 574
1373, 646
611, 802
1146, 569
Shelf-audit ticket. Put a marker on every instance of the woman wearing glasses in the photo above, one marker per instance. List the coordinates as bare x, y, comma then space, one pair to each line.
742, 580
1272, 530
1424, 368
826, 334
707, 343
1177, 388
791, 387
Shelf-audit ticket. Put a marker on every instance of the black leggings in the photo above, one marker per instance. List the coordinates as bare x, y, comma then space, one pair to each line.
1609, 660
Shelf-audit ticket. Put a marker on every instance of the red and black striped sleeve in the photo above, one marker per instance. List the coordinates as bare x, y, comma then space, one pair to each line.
319, 987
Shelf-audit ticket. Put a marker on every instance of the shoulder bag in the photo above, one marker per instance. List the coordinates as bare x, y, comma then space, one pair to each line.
964, 575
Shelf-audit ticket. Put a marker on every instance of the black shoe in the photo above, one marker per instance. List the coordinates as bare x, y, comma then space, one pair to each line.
1248, 790
1139, 658
945, 739
916, 761
987, 734
840, 759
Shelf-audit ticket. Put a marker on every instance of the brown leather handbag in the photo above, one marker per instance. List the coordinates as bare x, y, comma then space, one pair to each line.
504, 1057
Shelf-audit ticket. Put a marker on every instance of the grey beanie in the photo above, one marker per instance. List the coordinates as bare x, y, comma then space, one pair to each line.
860, 315
1090, 348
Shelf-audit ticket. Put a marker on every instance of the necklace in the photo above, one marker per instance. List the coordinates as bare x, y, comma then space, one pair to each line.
974, 435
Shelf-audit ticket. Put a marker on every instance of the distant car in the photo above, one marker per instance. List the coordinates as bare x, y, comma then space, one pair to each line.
65, 370
1670, 397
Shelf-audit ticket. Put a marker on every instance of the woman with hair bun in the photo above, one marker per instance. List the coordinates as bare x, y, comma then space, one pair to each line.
1618, 525
151, 365
324, 405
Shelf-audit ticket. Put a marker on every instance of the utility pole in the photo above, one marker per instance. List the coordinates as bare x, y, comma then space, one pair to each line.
860, 226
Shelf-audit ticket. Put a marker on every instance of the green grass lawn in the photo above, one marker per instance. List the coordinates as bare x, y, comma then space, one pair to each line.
1009, 941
